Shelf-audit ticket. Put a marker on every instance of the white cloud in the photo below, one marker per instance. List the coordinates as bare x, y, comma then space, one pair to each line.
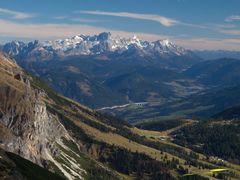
232, 18
151, 17
165, 21
52, 31
15, 14
44, 31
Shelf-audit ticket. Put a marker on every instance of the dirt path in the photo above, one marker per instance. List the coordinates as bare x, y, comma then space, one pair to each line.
150, 133
169, 131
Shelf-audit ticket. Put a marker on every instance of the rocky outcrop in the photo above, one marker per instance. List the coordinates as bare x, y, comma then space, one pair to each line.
26, 127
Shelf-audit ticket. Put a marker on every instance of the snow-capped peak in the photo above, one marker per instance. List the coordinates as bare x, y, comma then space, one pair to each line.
166, 42
97, 44
135, 37
77, 38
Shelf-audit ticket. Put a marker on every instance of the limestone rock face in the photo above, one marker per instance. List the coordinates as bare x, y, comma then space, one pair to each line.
26, 127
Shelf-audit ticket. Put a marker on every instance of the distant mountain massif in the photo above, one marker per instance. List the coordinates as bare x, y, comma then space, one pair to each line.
160, 111
102, 70
44, 135
134, 79
217, 54
64, 139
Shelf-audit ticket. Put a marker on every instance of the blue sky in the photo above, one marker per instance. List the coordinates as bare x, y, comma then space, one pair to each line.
194, 24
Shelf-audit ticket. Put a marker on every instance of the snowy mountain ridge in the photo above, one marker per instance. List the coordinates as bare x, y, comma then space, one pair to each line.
103, 43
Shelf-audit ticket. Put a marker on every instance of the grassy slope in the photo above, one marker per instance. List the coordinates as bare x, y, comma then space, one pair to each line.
96, 129
118, 140
30, 170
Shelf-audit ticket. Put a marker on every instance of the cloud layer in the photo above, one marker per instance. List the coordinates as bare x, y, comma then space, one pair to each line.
232, 18
15, 14
53, 31
165, 21
150, 17
12, 29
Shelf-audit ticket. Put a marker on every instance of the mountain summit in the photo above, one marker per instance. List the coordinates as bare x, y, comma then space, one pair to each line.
101, 44
84, 67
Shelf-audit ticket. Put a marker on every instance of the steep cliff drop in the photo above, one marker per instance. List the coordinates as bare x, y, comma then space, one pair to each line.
26, 127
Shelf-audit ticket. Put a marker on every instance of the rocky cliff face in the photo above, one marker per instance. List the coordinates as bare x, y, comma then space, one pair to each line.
26, 127
33, 130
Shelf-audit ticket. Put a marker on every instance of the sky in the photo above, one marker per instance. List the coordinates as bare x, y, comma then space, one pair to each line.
193, 24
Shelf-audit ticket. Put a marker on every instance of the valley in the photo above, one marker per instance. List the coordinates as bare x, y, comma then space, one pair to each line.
151, 120
133, 86
120, 90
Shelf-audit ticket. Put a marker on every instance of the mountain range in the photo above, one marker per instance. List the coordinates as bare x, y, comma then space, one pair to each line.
216, 88
116, 74
61, 135
44, 135
217, 54
102, 44
84, 67
185, 110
